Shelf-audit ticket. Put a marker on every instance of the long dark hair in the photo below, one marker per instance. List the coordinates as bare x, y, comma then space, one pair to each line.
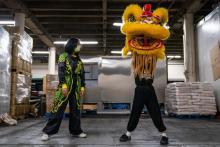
71, 45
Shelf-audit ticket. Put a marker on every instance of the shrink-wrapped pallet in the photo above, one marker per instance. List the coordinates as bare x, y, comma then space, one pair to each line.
5, 73
190, 98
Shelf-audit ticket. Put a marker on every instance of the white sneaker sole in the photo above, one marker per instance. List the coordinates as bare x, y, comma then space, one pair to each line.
44, 138
78, 136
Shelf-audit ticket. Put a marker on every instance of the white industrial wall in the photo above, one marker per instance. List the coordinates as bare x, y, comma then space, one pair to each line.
208, 36
176, 71
40, 70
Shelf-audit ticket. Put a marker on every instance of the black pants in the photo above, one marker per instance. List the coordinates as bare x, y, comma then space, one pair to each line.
145, 95
55, 119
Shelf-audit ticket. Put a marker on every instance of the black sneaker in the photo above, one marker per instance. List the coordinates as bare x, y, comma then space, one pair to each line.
125, 138
164, 140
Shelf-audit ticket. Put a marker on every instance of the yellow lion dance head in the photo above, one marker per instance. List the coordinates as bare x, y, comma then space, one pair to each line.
144, 30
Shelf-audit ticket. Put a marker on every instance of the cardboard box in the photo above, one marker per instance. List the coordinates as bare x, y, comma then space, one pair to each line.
44, 85
52, 78
89, 106
215, 61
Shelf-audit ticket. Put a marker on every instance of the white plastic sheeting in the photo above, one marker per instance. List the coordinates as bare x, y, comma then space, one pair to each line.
208, 36
5, 74
24, 44
23, 88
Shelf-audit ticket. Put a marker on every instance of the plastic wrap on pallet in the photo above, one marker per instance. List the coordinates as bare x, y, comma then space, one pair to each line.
24, 45
5, 50
23, 88
190, 98
5, 74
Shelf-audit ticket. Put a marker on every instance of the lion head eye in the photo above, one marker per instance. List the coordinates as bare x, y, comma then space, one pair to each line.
131, 18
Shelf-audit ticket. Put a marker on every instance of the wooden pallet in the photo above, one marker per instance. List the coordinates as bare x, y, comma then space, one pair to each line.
20, 111
89, 107
21, 66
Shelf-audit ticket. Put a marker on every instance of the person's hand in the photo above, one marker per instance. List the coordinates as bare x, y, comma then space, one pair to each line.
82, 91
65, 92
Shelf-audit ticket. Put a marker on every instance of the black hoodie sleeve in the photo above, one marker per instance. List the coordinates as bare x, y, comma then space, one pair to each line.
61, 69
82, 76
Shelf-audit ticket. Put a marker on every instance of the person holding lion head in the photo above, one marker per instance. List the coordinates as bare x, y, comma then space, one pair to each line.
145, 33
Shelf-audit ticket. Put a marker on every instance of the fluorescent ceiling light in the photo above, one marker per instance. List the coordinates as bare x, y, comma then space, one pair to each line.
81, 42
119, 52
7, 22
176, 57
118, 24
116, 52
10, 25
40, 52
91, 60
60, 42
88, 42
170, 56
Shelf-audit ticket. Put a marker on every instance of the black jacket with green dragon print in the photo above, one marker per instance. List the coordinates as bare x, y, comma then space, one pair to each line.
70, 72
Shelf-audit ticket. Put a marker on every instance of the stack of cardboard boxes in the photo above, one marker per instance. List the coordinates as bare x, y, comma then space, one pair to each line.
50, 85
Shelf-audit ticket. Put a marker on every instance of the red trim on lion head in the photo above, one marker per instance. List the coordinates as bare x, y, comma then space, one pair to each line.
147, 11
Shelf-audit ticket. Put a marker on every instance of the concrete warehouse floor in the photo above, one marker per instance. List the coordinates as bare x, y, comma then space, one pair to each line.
105, 132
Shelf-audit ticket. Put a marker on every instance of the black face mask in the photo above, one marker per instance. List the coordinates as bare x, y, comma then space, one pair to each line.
76, 54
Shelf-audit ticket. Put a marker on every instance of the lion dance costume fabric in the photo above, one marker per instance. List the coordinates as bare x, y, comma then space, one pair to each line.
145, 33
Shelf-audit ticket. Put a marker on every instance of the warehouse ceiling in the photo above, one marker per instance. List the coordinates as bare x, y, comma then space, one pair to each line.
92, 20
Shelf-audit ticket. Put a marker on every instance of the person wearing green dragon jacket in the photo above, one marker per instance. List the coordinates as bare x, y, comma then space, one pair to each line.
70, 89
